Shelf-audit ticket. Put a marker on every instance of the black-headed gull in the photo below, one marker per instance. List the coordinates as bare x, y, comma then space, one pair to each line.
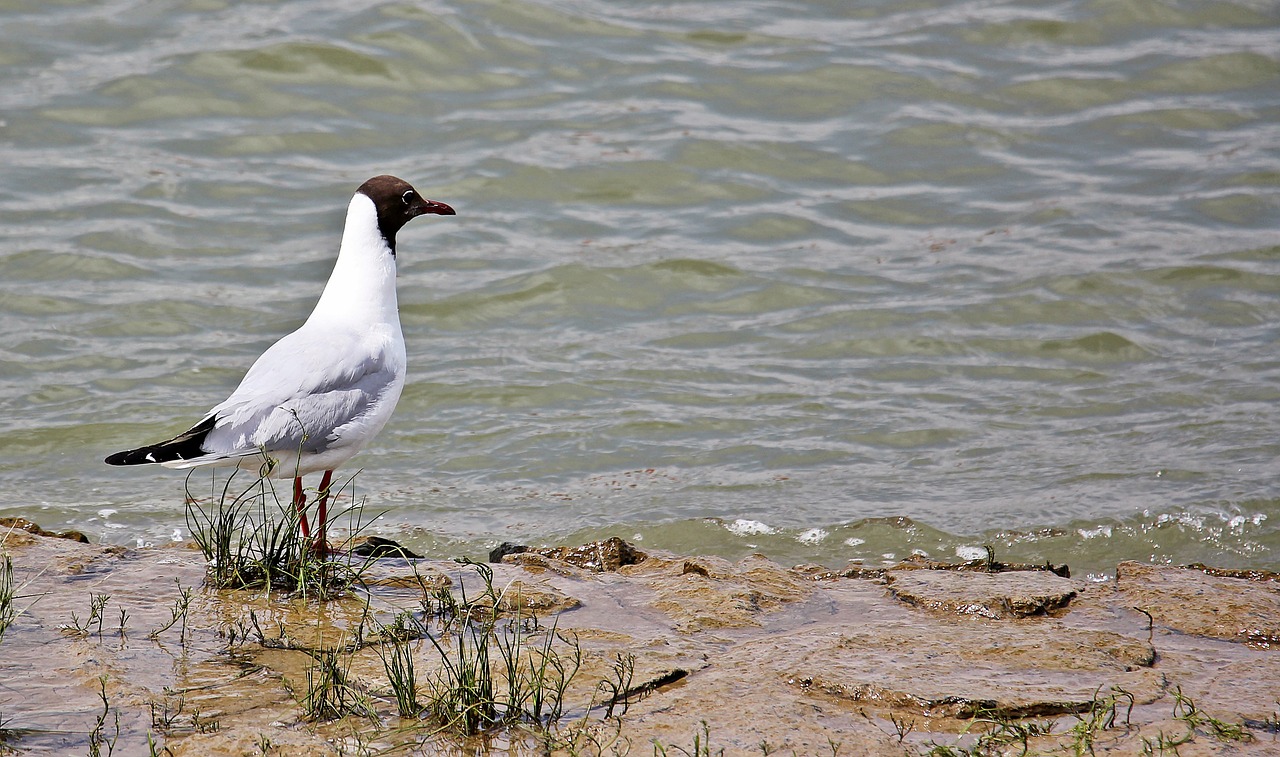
317, 396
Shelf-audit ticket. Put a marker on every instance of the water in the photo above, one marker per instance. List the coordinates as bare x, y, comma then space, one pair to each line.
826, 280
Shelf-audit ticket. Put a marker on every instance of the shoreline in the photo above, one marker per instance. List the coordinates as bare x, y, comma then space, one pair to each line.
673, 653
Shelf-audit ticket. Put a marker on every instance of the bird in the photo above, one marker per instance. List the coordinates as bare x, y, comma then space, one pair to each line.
321, 393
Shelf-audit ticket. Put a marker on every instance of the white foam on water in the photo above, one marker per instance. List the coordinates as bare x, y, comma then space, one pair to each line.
744, 527
812, 536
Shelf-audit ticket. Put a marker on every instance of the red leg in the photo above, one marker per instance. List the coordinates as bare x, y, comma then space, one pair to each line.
322, 545
300, 504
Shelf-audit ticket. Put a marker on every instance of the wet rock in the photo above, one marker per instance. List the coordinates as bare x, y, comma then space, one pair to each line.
1015, 594
853, 570
727, 706
22, 524
1252, 575
600, 556
539, 563
962, 668
13, 539
534, 599
506, 548
426, 577
86, 561
1196, 602
513, 593
1244, 690
264, 741
377, 547
917, 562
701, 593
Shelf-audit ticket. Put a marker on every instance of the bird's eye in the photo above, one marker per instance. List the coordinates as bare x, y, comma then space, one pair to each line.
407, 197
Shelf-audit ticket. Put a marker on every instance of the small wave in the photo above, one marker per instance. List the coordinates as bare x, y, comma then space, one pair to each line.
812, 536
1101, 345
744, 527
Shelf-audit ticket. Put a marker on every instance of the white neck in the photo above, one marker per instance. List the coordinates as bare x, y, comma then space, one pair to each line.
363, 284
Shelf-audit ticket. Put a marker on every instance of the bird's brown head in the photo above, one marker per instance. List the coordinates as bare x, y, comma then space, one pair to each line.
398, 203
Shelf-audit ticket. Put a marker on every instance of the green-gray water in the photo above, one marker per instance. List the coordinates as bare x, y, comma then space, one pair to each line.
823, 280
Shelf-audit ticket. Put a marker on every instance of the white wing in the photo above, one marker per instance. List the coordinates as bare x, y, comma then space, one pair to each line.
314, 390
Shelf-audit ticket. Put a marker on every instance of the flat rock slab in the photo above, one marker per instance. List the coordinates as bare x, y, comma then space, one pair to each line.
700, 593
1014, 594
730, 706
1194, 602
967, 667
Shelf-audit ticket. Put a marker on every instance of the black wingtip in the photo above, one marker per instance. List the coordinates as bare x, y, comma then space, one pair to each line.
140, 456
184, 446
119, 458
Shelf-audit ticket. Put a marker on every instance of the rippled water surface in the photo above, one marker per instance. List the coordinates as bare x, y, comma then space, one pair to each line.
824, 280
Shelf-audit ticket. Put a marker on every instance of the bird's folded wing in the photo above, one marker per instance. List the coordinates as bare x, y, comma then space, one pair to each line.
304, 395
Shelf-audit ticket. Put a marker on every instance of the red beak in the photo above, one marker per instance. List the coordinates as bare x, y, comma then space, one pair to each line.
437, 208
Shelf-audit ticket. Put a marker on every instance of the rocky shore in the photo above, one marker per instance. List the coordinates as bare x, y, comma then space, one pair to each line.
124, 651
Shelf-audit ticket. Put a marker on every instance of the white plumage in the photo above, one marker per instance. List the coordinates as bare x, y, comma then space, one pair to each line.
317, 396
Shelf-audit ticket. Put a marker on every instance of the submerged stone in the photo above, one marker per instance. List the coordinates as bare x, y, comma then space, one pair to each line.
600, 556
538, 599
1017, 594
378, 547
700, 593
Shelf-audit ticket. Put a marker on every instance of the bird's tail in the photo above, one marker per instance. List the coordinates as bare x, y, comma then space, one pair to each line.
184, 446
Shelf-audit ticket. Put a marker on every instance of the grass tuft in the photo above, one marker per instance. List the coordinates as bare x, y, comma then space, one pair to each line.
98, 737
397, 661
178, 613
1102, 715
8, 613
330, 693
496, 670
1185, 709
251, 539
617, 689
97, 610
10, 591
701, 746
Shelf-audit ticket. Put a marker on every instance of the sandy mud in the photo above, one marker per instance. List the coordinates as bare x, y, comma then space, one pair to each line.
126, 651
